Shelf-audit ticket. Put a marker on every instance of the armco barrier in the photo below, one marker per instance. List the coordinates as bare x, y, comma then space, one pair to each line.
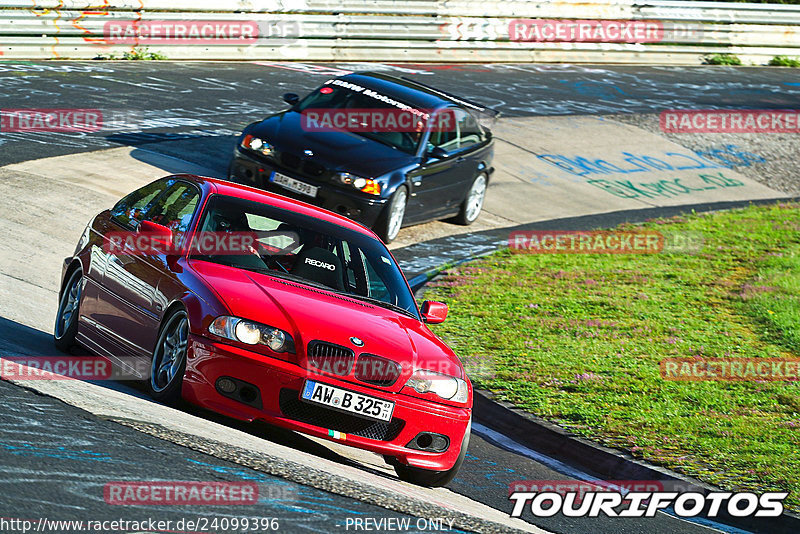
389, 30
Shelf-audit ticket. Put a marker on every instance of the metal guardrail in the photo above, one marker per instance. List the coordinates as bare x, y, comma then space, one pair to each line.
592, 9
393, 30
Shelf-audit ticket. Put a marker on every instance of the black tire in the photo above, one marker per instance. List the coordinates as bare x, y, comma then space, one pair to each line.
230, 176
433, 479
386, 228
166, 377
469, 212
66, 327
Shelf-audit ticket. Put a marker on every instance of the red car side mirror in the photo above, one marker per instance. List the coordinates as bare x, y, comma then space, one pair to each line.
434, 312
158, 233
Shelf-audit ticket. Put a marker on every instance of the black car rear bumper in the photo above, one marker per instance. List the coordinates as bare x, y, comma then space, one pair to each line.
249, 171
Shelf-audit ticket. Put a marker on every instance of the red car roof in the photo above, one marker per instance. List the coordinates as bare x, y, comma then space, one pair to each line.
232, 189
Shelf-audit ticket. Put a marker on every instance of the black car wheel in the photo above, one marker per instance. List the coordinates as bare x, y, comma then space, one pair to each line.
433, 479
473, 203
391, 219
67, 316
231, 176
169, 358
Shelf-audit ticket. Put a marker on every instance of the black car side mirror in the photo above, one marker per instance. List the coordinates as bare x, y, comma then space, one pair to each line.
438, 153
291, 98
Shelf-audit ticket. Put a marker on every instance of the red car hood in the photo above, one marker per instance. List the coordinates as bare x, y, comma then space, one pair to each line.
308, 314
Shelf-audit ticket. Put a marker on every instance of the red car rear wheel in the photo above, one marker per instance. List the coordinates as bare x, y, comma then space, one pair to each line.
66, 327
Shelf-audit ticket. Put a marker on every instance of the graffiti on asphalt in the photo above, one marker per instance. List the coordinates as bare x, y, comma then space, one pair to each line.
665, 188
726, 157
731, 156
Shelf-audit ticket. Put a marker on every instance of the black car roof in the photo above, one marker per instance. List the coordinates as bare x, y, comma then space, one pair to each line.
407, 91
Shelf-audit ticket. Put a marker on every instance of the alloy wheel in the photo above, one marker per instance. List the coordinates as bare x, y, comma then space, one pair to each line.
475, 198
170, 353
398, 211
68, 307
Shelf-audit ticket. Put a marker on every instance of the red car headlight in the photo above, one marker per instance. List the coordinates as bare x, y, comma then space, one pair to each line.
251, 333
447, 387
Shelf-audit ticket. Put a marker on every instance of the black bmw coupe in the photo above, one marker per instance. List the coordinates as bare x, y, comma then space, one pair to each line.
384, 151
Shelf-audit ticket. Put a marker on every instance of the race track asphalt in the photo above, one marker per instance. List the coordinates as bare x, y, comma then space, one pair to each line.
55, 458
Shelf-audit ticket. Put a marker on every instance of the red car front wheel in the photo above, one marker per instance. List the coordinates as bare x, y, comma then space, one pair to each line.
433, 479
169, 358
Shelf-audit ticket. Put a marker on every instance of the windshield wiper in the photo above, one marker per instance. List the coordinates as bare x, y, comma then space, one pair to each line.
383, 141
355, 296
378, 139
299, 279
371, 300
269, 272
382, 304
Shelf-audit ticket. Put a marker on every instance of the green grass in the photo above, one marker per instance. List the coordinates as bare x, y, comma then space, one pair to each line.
577, 339
137, 53
721, 59
774, 298
784, 61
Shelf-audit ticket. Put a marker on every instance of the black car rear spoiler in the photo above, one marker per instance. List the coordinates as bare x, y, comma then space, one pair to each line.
457, 99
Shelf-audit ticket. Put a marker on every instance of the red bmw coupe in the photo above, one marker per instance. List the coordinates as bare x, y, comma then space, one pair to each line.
257, 306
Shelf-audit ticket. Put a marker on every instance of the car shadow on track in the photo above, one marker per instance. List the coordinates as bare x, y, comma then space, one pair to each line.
207, 155
19, 340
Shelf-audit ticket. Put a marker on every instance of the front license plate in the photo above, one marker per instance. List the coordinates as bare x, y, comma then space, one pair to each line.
349, 401
294, 185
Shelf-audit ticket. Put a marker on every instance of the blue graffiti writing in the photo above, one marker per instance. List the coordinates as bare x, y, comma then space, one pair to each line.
727, 157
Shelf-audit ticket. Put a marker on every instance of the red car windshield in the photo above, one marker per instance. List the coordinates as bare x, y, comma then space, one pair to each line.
262, 238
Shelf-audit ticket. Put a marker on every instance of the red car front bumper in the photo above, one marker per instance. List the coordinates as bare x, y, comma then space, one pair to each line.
279, 384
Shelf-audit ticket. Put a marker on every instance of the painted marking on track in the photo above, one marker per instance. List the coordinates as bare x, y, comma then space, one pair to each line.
61, 453
304, 67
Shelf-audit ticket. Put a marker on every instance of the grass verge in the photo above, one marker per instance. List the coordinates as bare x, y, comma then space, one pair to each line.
578, 339
722, 59
784, 61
